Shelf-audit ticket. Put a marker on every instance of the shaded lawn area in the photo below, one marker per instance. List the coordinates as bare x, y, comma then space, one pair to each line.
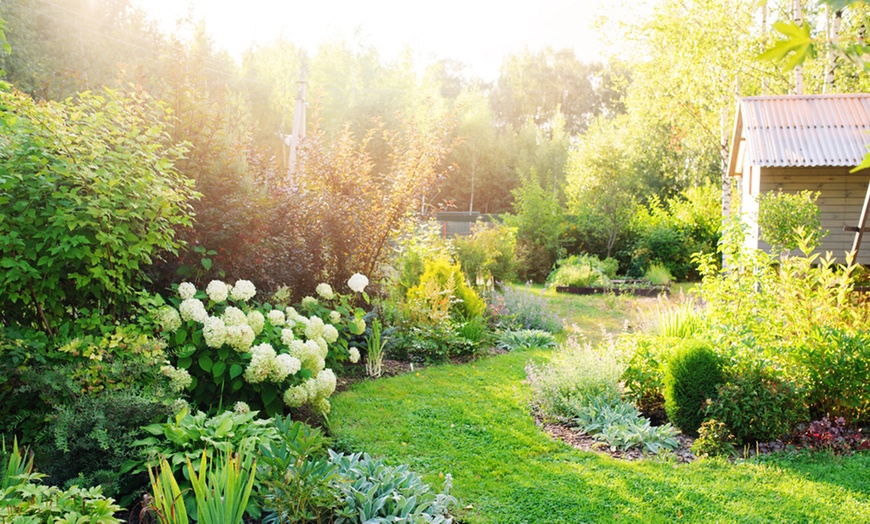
474, 422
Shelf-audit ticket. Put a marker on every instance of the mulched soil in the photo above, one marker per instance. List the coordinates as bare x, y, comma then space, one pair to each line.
577, 439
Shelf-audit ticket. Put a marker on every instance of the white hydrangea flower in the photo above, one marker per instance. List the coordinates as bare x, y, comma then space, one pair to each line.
334, 317
243, 290
215, 332
311, 389
314, 328
169, 319
186, 290
330, 333
260, 367
312, 348
192, 309
284, 366
325, 383
297, 349
308, 302
302, 321
322, 406
291, 312
240, 338
234, 316
358, 326
179, 379
325, 291
217, 291
353, 355
358, 282
276, 317
257, 321
322, 346
315, 363
178, 405
241, 408
295, 396
287, 336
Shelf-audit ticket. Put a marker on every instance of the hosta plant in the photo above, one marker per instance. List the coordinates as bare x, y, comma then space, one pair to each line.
525, 339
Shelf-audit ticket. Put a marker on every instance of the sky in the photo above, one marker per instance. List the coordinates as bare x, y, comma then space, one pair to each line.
477, 33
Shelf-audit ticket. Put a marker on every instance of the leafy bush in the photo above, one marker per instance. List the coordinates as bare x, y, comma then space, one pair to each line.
785, 220
33, 503
372, 491
525, 339
693, 374
644, 372
658, 275
487, 256
89, 196
577, 374
835, 365
679, 322
428, 342
516, 309
621, 426
831, 435
757, 406
714, 440
442, 281
583, 271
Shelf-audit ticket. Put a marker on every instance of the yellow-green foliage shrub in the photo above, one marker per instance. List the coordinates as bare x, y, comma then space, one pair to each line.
448, 280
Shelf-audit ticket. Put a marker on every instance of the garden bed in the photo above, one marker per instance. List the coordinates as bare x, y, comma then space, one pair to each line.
619, 287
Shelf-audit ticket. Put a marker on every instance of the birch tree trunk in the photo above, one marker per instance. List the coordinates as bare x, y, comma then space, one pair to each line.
799, 70
833, 36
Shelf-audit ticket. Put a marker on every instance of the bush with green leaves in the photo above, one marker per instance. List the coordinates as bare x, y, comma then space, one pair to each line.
714, 440
658, 275
758, 406
442, 281
583, 271
517, 309
787, 219
428, 343
693, 374
644, 373
834, 364
487, 255
373, 491
230, 350
89, 197
525, 339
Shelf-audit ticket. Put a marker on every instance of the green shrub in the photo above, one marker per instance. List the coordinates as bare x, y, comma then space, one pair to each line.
487, 256
450, 284
693, 374
786, 219
577, 374
835, 365
514, 309
658, 275
644, 372
583, 271
89, 197
428, 343
714, 440
757, 406
34, 503
372, 491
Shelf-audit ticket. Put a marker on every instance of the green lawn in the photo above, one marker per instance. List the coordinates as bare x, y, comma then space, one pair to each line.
473, 421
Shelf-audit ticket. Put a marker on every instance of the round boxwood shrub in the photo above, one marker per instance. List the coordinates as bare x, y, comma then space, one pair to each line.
692, 375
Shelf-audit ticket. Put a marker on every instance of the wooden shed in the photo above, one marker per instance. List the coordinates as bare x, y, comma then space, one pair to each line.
805, 142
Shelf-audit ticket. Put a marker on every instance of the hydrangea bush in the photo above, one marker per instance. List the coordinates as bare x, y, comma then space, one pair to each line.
226, 349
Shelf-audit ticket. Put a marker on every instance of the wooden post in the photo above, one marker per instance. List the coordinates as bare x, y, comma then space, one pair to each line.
861, 223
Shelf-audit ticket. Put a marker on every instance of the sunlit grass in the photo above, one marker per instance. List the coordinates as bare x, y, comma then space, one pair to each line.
473, 421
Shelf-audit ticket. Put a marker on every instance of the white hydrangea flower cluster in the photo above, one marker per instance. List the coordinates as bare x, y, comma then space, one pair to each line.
217, 291
287, 336
314, 328
276, 317
169, 319
334, 317
193, 309
240, 337
243, 290
266, 365
179, 379
234, 316
325, 291
241, 408
358, 326
314, 391
186, 290
214, 331
353, 355
309, 302
257, 321
358, 282
330, 333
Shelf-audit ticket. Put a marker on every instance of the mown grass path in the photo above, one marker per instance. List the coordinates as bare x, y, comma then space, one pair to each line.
473, 421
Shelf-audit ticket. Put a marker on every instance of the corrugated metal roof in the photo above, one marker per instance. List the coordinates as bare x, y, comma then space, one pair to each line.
805, 131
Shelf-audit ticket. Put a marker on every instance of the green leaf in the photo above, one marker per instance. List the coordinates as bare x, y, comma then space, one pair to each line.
184, 363
218, 369
797, 40
180, 336
205, 363
863, 165
206, 263
236, 370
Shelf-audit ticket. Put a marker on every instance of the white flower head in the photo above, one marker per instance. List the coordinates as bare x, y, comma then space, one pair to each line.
276, 317
325, 291
322, 406
257, 321
358, 282
234, 316
322, 346
295, 396
243, 290
330, 333
334, 317
353, 355
314, 328
215, 332
262, 361
217, 291
308, 302
284, 366
192, 309
297, 349
179, 379
241, 408
186, 290
358, 326
169, 319
325, 383
240, 337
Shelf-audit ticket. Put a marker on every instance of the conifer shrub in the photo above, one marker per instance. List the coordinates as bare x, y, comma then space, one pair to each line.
693, 374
